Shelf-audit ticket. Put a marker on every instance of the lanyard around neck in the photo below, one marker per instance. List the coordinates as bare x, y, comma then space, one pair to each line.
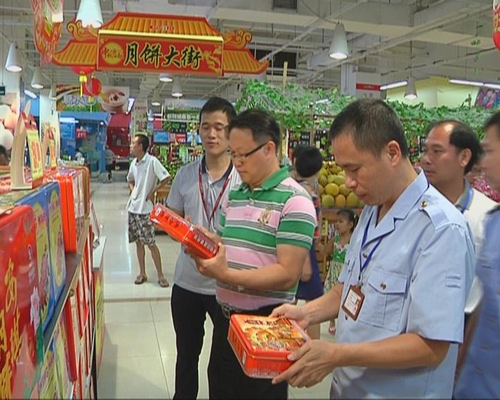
210, 216
364, 264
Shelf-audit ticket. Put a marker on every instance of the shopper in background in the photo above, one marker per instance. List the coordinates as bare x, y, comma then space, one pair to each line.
408, 269
79, 156
110, 162
4, 157
344, 227
479, 378
478, 181
267, 231
198, 192
451, 149
307, 162
142, 176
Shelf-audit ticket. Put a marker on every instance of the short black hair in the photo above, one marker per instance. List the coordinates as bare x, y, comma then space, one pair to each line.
3, 151
462, 137
143, 141
215, 103
308, 160
494, 122
350, 215
261, 123
372, 123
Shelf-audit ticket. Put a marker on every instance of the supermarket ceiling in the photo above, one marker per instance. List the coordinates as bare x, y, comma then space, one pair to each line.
448, 38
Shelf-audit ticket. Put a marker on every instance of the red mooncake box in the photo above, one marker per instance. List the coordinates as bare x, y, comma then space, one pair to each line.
262, 344
183, 231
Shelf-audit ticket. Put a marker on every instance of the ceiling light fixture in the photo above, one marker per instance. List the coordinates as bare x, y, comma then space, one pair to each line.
177, 89
338, 48
53, 92
393, 85
13, 63
411, 90
165, 78
29, 93
90, 13
37, 80
155, 101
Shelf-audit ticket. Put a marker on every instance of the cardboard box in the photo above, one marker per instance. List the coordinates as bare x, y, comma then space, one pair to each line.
262, 344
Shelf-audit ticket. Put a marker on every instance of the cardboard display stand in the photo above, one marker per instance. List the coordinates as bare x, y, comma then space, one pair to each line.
26, 129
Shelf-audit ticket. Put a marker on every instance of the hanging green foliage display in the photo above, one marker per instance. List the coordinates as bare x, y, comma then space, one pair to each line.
300, 109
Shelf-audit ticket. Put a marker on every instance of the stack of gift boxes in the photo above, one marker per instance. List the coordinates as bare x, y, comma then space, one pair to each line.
47, 306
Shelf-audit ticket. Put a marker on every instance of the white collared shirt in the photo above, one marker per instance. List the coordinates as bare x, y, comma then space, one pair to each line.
144, 174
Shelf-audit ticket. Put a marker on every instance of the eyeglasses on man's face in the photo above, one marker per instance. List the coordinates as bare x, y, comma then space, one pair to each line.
243, 157
219, 128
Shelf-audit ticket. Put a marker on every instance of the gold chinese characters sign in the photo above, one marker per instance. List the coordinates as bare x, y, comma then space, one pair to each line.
159, 43
153, 52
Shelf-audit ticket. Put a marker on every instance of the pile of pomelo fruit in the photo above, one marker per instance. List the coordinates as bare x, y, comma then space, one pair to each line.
332, 188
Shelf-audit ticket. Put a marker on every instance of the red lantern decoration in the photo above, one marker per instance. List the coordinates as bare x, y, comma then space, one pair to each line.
92, 87
82, 71
496, 23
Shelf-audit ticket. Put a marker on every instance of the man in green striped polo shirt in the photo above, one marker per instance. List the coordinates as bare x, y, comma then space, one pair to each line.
266, 231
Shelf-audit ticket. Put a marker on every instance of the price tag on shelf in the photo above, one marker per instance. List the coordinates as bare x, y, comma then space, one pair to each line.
35, 152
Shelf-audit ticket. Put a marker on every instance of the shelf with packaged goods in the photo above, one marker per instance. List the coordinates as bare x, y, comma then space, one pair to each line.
73, 263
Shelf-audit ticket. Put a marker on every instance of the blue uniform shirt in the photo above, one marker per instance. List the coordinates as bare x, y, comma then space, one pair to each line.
480, 375
417, 281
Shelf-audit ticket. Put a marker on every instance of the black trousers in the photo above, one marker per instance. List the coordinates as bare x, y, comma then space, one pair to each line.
237, 385
189, 312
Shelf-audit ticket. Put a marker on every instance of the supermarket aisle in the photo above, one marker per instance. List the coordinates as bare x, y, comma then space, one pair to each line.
139, 348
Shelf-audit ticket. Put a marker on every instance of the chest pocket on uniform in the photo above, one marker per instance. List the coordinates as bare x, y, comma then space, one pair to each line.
384, 299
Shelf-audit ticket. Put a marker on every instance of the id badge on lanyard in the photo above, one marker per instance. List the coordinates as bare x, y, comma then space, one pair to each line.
355, 297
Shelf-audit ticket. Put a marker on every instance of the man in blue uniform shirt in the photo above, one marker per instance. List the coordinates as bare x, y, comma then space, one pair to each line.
407, 273
480, 376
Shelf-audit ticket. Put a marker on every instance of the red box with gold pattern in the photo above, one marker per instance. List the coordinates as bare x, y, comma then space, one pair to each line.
73, 212
262, 344
21, 340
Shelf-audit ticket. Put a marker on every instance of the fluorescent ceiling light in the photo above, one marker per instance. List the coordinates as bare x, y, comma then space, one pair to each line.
393, 85
338, 48
492, 85
13, 63
411, 90
29, 93
37, 80
90, 13
466, 82
68, 120
165, 78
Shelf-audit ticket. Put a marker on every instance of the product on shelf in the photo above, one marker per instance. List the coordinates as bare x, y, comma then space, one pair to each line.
72, 199
21, 329
262, 344
183, 231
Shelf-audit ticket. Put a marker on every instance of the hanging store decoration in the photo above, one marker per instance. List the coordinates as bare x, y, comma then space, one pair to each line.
496, 23
159, 43
47, 27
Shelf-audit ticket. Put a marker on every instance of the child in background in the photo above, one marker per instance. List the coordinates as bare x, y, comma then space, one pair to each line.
344, 226
307, 161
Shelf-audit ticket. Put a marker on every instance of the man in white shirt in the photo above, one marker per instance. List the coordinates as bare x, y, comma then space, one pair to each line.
451, 150
144, 171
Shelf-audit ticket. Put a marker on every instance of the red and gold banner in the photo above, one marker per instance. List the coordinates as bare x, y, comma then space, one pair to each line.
159, 52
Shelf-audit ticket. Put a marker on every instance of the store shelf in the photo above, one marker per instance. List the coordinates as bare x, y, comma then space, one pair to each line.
99, 253
73, 261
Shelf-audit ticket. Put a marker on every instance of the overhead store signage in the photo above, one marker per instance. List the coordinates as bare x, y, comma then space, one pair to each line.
158, 43
159, 52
